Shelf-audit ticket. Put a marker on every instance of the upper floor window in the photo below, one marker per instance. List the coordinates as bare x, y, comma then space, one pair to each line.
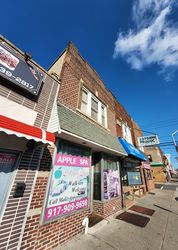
84, 101
91, 106
94, 108
127, 133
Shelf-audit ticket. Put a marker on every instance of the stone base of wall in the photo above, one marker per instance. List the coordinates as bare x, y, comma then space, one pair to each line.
107, 208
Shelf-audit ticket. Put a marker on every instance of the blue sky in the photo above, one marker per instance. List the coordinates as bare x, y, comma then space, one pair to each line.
142, 35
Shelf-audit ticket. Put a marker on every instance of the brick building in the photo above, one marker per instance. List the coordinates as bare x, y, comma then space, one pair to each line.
87, 118
52, 183
132, 176
27, 95
157, 163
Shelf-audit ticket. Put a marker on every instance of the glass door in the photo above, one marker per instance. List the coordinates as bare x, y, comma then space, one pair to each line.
8, 161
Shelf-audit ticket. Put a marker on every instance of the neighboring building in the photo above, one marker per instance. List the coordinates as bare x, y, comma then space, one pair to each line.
27, 96
131, 172
146, 171
155, 157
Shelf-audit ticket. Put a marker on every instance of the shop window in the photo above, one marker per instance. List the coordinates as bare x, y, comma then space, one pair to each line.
91, 106
106, 177
148, 174
96, 162
134, 177
111, 184
7, 166
130, 173
70, 181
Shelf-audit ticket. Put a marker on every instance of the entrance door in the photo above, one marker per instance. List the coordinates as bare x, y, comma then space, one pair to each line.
8, 161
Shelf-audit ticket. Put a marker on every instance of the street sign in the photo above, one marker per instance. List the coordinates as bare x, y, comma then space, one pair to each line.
150, 140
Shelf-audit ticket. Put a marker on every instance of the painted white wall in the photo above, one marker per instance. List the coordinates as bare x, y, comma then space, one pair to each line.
16, 111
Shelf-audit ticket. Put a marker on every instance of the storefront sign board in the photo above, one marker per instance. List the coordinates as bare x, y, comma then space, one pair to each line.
150, 140
68, 190
18, 72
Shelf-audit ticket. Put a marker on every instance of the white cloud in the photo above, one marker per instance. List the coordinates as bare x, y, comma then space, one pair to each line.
154, 39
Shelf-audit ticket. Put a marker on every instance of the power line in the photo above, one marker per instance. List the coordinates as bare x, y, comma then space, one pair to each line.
162, 121
144, 131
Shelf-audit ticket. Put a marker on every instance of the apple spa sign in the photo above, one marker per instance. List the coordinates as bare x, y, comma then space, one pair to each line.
150, 140
68, 191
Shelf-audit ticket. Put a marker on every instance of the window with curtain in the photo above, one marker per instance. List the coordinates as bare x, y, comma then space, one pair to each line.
84, 101
91, 106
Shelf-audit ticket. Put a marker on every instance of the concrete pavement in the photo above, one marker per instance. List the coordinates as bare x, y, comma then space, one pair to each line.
161, 233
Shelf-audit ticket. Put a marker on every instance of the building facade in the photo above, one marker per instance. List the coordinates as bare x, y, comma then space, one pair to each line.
132, 177
27, 95
86, 98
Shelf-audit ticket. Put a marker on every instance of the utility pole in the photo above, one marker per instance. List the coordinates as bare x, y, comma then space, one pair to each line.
175, 140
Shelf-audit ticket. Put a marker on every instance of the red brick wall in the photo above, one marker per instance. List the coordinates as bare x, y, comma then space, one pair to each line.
51, 235
122, 117
136, 132
11, 227
107, 208
76, 68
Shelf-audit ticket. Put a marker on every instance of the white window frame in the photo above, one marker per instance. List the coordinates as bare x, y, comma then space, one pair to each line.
127, 133
100, 104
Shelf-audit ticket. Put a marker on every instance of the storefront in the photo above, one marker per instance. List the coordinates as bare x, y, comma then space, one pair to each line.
106, 188
159, 174
148, 176
25, 140
131, 174
85, 177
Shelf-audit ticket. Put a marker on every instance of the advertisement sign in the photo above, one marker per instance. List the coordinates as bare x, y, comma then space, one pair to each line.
111, 184
68, 191
134, 178
7, 158
15, 69
148, 140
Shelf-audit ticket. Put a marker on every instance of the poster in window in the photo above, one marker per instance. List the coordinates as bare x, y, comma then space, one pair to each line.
68, 191
134, 178
111, 184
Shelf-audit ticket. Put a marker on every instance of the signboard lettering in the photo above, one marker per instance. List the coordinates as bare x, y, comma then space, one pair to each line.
148, 140
68, 191
19, 72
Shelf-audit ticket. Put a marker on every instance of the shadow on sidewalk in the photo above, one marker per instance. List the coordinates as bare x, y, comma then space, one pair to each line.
165, 209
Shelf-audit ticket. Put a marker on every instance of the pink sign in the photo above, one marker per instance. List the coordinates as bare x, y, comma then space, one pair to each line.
146, 166
66, 208
70, 160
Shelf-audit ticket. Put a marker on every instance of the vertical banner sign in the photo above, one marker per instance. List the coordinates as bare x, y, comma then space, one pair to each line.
111, 184
68, 191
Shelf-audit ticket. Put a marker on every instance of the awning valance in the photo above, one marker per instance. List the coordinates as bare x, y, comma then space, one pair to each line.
20, 129
131, 150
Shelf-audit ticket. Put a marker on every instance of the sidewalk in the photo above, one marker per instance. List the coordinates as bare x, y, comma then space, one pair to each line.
160, 233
